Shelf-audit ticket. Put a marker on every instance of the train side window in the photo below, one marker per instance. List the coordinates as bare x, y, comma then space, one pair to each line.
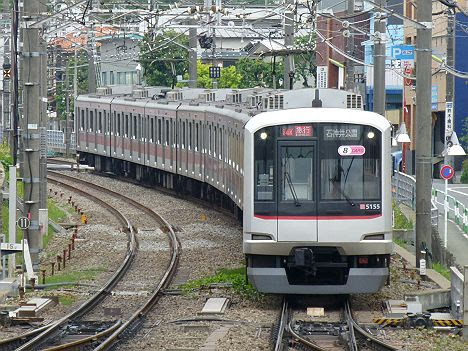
221, 145
183, 135
189, 144
210, 140
91, 120
215, 142
159, 132
126, 126
196, 137
264, 165
119, 125
152, 130
134, 127
100, 123
82, 120
167, 133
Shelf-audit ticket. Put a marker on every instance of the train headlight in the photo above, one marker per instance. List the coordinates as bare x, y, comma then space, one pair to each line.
263, 135
371, 135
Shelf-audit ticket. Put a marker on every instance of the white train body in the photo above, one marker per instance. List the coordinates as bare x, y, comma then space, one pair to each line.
313, 184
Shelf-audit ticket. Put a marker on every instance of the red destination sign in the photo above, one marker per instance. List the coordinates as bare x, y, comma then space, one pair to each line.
297, 131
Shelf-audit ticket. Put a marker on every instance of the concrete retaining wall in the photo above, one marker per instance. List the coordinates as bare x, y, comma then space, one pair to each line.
456, 295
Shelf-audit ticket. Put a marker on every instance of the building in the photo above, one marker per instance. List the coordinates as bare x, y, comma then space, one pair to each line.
440, 33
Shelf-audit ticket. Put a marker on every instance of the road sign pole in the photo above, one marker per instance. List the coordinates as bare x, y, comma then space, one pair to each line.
445, 213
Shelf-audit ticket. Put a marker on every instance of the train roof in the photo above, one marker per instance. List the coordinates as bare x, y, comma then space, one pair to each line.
308, 115
240, 104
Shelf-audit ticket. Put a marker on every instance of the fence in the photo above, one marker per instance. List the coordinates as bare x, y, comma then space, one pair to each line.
404, 191
56, 141
456, 210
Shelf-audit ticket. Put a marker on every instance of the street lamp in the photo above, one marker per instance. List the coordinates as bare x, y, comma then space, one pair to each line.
401, 135
453, 147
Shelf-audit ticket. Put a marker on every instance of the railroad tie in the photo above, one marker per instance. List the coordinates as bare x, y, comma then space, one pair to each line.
212, 341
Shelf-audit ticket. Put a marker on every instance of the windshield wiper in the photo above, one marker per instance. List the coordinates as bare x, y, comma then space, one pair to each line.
291, 187
346, 197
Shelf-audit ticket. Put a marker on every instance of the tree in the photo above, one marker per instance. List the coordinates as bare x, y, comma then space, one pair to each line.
65, 87
464, 137
258, 73
306, 67
229, 78
163, 57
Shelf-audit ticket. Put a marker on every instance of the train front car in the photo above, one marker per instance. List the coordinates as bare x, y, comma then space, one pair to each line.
317, 201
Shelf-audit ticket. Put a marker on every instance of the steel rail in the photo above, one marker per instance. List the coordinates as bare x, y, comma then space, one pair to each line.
282, 325
41, 334
87, 340
375, 341
171, 269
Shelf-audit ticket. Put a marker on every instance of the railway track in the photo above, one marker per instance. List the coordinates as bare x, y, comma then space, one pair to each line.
346, 335
111, 335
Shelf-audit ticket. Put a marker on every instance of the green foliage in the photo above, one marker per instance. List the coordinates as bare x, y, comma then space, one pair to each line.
305, 64
464, 176
163, 57
237, 277
438, 267
66, 300
258, 73
399, 242
464, 137
65, 88
5, 156
74, 276
229, 78
400, 220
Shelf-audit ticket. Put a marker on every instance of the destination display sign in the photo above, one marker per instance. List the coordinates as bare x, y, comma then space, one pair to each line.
297, 131
344, 132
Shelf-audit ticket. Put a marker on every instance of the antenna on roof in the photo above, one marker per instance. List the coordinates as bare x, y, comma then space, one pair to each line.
317, 102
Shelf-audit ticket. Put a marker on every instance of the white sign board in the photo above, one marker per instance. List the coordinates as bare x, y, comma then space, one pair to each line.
448, 119
11, 247
322, 77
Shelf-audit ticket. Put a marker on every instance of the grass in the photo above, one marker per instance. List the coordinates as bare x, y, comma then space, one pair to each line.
439, 268
237, 277
66, 300
400, 242
400, 220
74, 276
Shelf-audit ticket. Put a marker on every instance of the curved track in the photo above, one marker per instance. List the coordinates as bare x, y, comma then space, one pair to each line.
40, 336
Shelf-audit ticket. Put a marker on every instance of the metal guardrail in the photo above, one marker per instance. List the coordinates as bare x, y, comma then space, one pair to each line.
456, 210
404, 191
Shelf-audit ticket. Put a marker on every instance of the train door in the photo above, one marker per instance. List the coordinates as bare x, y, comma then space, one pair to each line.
297, 191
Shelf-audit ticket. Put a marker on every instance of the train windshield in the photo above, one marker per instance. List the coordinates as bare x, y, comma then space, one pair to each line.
350, 163
319, 169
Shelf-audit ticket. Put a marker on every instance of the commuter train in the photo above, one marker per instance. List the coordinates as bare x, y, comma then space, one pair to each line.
308, 169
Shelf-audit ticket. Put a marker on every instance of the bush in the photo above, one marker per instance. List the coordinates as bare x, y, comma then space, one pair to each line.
464, 176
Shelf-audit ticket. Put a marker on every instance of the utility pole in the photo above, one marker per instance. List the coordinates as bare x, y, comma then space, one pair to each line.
15, 72
67, 113
33, 57
350, 50
449, 81
288, 75
423, 130
91, 52
193, 56
380, 32
6, 67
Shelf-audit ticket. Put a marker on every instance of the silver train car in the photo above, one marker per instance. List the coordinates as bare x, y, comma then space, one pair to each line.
312, 185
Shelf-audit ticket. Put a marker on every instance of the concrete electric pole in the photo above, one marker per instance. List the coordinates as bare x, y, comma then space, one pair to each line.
350, 50
449, 81
288, 76
33, 67
380, 32
423, 130
91, 52
193, 56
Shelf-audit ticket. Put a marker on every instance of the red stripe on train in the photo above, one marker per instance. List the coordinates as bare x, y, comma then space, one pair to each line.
316, 218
